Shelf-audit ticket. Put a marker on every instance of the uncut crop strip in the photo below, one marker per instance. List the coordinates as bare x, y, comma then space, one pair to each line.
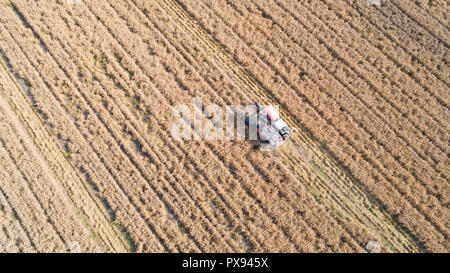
124, 212
136, 27
391, 138
82, 200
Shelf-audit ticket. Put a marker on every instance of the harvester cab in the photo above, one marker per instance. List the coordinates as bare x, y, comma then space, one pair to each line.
272, 129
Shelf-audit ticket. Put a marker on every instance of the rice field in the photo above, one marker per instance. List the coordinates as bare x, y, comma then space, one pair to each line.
88, 163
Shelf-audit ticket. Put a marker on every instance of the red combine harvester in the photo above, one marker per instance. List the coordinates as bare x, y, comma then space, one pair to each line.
272, 130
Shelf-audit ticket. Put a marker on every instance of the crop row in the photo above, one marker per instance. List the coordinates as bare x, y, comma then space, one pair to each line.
418, 16
180, 38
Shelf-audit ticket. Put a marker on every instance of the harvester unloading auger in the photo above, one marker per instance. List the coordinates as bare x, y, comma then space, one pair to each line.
272, 129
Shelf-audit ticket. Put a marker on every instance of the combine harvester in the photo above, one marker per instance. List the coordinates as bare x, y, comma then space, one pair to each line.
272, 130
